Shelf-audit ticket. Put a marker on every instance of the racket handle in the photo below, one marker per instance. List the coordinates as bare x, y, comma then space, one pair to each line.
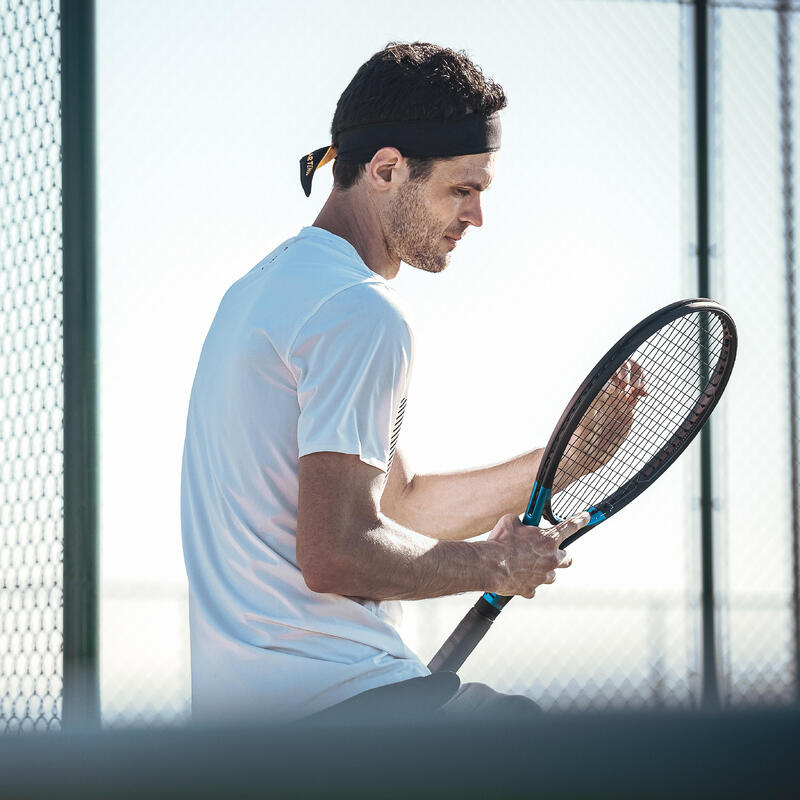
463, 640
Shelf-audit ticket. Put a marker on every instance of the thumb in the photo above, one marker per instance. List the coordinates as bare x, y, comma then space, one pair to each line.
572, 525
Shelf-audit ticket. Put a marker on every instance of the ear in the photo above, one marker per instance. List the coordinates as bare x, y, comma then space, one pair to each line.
387, 168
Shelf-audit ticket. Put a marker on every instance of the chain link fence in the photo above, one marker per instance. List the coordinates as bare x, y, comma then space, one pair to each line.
31, 395
614, 116
578, 650
144, 661
633, 646
756, 569
571, 648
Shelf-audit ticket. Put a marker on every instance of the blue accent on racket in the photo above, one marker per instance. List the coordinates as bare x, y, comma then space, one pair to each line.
596, 516
493, 600
539, 498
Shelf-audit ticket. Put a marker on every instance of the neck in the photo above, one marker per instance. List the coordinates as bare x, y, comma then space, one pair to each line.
354, 217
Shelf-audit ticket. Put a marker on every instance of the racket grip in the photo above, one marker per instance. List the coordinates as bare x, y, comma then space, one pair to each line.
463, 640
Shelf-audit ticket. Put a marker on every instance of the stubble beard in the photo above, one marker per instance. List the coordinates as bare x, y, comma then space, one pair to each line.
413, 234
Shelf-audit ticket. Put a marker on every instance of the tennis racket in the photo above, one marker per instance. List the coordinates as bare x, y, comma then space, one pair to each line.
635, 413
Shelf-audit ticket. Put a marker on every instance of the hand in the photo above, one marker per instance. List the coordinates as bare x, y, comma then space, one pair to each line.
531, 555
604, 426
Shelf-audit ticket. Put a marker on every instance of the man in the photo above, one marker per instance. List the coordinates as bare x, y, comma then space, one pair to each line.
302, 523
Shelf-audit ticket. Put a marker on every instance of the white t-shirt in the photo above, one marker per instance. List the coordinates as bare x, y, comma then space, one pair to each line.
308, 352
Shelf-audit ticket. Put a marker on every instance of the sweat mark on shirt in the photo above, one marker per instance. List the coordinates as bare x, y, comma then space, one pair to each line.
397, 423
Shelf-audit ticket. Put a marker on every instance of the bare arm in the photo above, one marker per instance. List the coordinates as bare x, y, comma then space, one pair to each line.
458, 505
345, 545
461, 505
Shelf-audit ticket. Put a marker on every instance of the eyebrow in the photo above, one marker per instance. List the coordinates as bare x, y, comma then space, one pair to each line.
478, 187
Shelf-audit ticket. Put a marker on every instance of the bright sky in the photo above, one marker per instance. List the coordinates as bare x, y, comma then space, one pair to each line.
204, 111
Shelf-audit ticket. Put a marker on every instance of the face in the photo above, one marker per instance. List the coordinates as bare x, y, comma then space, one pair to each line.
425, 219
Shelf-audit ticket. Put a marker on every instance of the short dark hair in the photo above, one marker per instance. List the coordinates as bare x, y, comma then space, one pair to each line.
416, 81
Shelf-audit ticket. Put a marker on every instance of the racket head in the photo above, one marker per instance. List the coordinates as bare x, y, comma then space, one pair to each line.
686, 351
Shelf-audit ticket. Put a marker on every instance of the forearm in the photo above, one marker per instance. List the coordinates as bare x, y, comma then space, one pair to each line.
346, 545
389, 562
464, 504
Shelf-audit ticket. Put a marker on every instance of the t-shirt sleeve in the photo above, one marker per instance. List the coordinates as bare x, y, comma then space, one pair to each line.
353, 362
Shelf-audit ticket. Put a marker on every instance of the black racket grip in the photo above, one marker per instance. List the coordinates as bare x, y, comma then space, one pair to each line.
463, 640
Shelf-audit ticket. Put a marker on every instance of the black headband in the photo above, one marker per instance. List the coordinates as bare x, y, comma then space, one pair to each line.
474, 133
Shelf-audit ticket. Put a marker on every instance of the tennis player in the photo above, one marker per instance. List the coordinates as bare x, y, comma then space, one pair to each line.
302, 523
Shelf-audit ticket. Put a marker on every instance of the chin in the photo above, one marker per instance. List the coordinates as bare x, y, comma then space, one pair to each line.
438, 264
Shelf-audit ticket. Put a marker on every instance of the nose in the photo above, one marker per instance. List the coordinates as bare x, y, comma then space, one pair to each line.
472, 211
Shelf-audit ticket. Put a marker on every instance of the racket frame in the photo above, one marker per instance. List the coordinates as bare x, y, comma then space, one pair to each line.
540, 505
480, 617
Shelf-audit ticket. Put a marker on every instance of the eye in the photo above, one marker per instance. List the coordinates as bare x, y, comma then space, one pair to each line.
462, 192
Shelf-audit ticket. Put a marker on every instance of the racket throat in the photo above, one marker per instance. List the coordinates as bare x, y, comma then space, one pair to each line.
539, 498
596, 516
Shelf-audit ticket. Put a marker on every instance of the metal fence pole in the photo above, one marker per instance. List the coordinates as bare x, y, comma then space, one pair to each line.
710, 686
81, 706
784, 32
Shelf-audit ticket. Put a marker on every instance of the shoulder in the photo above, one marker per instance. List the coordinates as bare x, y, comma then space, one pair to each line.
340, 286
369, 299
361, 316
312, 284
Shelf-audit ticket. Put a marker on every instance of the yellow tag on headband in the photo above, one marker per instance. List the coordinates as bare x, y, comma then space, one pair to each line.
312, 162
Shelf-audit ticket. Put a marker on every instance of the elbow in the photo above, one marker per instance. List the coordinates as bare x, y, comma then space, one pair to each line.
322, 581
334, 561
323, 573
313, 570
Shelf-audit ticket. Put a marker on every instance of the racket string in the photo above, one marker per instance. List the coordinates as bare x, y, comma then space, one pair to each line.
663, 414
679, 363
645, 439
594, 480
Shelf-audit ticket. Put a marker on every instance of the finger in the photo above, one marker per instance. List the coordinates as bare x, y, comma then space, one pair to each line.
569, 526
631, 391
550, 577
630, 379
628, 367
562, 559
637, 379
621, 375
622, 382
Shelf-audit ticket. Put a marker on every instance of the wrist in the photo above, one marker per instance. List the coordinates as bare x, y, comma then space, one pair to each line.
494, 569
